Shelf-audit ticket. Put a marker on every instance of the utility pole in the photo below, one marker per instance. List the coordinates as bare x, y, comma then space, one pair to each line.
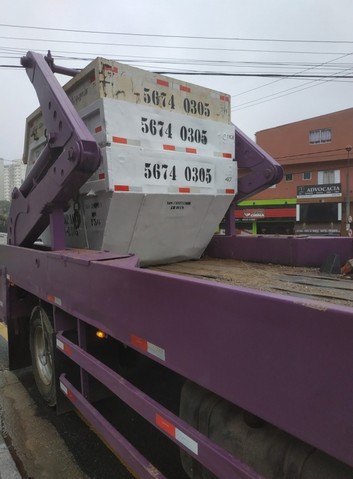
348, 199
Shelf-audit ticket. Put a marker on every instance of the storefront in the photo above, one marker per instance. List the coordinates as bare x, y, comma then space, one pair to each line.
319, 210
267, 216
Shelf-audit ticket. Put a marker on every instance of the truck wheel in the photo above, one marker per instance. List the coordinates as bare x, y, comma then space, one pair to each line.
42, 354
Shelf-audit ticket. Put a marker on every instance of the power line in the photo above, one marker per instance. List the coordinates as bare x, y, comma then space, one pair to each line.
11, 66
316, 79
193, 37
224, 63
302, 71
169, 71
210, 62
334, 150
229, 74
287, 92
179, 47
260, 75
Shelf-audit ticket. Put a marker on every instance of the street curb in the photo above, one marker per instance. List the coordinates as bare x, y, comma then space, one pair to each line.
8, 469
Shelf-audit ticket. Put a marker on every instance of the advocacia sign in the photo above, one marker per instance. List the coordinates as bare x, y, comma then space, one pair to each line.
319, 191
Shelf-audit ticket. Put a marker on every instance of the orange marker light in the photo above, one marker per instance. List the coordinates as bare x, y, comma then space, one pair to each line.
101, 334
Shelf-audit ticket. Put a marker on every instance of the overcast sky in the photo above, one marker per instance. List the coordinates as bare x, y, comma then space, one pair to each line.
255, 37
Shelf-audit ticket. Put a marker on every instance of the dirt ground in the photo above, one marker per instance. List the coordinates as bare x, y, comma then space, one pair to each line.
298, 281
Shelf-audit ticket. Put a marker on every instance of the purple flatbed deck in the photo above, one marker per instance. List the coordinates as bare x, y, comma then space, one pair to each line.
295, 281
287, 359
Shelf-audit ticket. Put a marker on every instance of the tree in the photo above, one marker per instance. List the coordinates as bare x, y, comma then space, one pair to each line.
4, 214
4, 207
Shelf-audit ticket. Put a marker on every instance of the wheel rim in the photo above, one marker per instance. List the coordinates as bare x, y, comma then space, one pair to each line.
43, 355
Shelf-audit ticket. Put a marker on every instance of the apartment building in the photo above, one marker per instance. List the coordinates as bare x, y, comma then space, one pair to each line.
316, 193
2, 190
13, 176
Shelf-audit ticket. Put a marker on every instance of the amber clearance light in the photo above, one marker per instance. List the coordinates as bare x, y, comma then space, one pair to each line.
101, 334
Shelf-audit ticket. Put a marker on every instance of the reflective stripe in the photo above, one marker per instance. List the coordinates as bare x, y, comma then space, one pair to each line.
180, 436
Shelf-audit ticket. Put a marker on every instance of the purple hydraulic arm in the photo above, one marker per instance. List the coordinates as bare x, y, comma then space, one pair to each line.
257, 171
69, 158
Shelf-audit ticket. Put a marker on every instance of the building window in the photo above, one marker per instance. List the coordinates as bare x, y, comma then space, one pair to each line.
319, 212
289, 176
320, 136
307, 175
328, 177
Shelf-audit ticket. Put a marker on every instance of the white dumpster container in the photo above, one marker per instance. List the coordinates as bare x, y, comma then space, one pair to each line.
168, 173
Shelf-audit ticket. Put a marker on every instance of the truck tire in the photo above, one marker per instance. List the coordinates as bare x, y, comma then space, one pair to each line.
42, 353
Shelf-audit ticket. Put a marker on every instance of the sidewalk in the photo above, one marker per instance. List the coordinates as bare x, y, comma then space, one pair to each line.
8, 469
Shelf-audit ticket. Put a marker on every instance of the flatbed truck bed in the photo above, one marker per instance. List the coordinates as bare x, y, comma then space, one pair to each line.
301, 282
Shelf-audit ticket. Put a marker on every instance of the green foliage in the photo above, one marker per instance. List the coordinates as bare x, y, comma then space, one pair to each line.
4, 207
4, 213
